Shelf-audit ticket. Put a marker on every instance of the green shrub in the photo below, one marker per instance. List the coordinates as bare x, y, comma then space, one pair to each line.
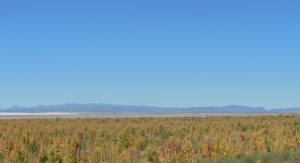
152, 155
43, 158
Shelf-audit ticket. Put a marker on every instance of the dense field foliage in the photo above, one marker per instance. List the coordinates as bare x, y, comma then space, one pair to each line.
223, 139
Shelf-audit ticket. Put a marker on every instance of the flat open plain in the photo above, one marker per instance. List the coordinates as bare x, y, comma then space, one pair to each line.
72, 115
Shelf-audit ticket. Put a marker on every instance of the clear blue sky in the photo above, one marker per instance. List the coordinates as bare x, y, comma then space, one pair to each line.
151, 52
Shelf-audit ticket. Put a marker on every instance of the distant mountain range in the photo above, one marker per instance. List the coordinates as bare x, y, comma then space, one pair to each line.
143, 109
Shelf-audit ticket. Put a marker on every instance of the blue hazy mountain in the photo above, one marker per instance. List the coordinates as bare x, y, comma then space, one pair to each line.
144, 109
139, 108
287, 110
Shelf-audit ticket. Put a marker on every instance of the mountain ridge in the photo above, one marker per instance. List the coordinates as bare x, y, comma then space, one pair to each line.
100, 107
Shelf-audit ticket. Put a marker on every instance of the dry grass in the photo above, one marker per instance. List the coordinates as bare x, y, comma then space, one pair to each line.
146, 139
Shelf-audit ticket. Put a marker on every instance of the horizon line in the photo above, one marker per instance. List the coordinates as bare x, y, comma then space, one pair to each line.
145, 105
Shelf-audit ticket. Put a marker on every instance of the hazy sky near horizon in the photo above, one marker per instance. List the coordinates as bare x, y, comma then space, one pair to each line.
158, 52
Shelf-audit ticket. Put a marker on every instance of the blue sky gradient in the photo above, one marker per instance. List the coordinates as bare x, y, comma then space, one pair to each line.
158, 52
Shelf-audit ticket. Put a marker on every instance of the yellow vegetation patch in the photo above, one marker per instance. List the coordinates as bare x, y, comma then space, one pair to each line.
145, 139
